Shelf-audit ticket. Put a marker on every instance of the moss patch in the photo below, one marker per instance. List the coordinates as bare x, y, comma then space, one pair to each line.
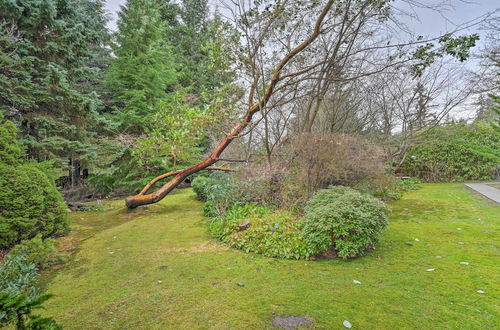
159, 268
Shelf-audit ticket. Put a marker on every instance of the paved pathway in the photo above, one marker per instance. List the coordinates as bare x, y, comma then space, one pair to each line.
485, 190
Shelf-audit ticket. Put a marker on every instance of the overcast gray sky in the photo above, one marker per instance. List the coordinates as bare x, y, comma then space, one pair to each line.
429, 23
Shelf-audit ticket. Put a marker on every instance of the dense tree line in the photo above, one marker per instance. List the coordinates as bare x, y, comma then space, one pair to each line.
113, 107
50, 67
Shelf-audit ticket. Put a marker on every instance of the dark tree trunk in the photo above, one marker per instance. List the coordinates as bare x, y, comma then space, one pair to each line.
29, 129
74, 172
70, 172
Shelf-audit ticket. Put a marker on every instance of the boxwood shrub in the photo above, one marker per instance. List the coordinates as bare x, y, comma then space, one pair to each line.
29, 204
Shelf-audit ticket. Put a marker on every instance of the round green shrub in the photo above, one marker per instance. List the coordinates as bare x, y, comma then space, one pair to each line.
343, 221
29, 204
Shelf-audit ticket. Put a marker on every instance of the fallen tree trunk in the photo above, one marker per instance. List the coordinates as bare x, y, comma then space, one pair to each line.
179, 176
168, 174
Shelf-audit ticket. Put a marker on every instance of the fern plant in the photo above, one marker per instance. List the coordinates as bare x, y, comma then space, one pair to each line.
17, 309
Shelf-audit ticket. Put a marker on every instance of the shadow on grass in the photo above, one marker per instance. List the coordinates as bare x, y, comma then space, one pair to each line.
84, 225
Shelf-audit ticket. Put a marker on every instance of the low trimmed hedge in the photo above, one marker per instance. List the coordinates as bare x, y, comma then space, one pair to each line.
455, 152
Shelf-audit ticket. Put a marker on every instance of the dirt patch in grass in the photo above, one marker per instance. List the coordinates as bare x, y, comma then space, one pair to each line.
130, 214
291, 322
208, 246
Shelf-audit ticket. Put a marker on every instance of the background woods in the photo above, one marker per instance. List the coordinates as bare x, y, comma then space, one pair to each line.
113, 110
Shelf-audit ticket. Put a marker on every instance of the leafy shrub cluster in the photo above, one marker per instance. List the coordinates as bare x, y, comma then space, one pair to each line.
409, 184
39, 251
224, 226
201, 186
272, 234
343, 221
29, 201
124, 174
220, 193
339, 220
456, 152
19, 295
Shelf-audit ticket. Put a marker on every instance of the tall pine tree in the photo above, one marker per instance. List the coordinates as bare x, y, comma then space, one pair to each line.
161, 79
192, 33
143, 72
46, 65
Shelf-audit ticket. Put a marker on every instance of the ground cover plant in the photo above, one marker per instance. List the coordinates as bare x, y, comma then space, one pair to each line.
272, 234
188, 280
336, 222
20, 295
39, 251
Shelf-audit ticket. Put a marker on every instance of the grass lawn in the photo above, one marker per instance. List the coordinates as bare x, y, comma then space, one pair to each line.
157, 267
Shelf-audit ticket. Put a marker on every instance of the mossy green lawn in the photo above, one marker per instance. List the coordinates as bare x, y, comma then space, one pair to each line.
159, 268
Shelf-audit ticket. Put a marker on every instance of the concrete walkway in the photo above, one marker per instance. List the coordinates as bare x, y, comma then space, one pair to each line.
485, 190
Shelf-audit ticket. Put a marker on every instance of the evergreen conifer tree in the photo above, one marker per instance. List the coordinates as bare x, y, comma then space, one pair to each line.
143, 72
47, 63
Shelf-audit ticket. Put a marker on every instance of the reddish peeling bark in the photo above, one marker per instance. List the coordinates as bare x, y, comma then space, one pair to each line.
168, 174
179, 176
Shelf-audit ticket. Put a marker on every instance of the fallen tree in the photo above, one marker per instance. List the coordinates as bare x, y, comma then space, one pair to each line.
171, 173
178, 176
